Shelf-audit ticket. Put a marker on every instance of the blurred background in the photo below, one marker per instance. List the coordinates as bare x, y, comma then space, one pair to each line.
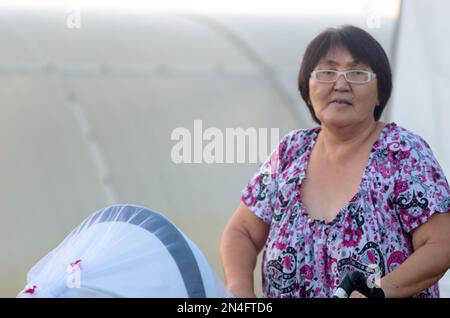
91, 92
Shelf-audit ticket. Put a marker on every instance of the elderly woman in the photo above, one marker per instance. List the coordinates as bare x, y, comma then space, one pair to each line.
353, 194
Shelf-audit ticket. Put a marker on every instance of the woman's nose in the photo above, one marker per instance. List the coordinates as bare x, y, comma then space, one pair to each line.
341, 83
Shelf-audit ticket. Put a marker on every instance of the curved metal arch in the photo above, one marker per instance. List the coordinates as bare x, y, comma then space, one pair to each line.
247, 50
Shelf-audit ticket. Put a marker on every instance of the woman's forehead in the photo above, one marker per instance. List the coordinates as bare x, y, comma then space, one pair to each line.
340, 57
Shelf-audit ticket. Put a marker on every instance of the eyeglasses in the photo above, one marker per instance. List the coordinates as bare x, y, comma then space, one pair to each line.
351, 76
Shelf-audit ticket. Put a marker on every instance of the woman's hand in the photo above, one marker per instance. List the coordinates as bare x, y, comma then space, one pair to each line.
357, 294
356, 284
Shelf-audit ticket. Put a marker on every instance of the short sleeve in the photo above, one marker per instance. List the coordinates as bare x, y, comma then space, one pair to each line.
421, 188
260, 193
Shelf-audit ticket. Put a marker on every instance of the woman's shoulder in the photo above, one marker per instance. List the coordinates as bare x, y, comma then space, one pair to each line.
298, 139
300, 136
404, 138
295, 144
406, 145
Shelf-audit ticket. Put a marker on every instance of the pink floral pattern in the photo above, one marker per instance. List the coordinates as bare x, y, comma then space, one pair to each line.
402, 186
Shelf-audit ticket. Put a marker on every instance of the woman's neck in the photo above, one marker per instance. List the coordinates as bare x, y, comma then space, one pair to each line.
338, 144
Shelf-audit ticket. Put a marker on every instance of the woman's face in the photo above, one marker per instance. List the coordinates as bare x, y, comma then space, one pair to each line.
362, 98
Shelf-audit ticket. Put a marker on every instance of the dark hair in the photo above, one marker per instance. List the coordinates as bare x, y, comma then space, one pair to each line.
362, 46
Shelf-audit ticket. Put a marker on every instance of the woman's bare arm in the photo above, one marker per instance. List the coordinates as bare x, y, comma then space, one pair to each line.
428, 263
243, 238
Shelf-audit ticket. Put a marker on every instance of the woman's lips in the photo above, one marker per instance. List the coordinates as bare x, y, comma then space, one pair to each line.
341, 102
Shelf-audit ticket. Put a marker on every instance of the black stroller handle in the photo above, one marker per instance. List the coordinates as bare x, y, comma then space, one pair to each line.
357, 281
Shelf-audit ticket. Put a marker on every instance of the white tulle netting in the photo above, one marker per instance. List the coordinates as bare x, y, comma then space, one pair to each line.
124, 251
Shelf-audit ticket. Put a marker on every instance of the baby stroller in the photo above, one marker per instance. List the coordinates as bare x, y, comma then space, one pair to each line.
124, 251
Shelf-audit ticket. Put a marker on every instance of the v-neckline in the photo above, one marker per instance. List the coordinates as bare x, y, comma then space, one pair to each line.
356, 196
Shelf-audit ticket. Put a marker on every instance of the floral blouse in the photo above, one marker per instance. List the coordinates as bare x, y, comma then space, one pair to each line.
402, 186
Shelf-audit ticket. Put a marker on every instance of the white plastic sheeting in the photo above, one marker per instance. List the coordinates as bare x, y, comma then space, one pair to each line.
421, 95
125, 251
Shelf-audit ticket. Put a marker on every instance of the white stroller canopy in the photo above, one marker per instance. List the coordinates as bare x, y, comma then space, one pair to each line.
124, 251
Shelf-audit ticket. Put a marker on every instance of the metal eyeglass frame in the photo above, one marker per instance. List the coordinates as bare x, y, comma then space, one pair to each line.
371, 76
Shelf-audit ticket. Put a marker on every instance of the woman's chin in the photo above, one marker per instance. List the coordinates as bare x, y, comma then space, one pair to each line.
337, 120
